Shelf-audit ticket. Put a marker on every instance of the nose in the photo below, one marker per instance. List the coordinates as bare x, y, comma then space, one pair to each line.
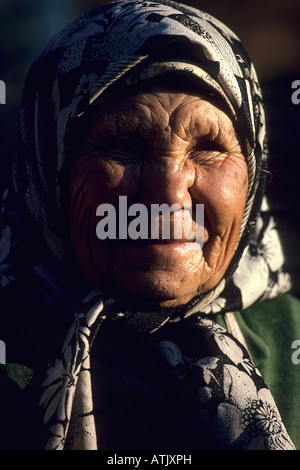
167, 180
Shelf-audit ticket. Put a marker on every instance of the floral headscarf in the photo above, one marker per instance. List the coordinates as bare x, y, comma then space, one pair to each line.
115, 45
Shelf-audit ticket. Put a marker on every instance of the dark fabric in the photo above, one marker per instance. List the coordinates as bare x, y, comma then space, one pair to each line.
141, 414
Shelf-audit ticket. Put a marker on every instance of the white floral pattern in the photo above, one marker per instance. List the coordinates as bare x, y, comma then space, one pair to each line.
231, 389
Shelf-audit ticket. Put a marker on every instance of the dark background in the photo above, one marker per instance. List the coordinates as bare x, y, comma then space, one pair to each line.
270, 31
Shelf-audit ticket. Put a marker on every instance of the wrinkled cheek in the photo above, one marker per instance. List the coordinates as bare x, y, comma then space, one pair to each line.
224, 211
93, 254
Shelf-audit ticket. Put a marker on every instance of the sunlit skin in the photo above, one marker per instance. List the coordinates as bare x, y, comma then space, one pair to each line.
159, 146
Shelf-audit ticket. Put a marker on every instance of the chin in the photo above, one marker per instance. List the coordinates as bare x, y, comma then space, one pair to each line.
155, 292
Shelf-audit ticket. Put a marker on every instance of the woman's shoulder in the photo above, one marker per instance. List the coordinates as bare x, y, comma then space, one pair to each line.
276, 321
272, 333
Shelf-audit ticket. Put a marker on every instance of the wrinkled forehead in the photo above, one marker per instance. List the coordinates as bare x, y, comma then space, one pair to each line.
169, 76
180, 100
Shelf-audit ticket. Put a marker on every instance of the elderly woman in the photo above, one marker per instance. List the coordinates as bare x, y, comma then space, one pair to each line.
125, 342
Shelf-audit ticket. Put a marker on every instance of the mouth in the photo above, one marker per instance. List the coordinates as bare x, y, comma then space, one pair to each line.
170, 242
145, 248
169, 228
161, 241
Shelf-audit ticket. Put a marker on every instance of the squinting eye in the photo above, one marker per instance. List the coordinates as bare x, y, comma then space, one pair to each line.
206, 152
207, 146
130, 146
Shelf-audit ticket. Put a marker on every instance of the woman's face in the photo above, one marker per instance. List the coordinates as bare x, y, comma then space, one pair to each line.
159, 146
